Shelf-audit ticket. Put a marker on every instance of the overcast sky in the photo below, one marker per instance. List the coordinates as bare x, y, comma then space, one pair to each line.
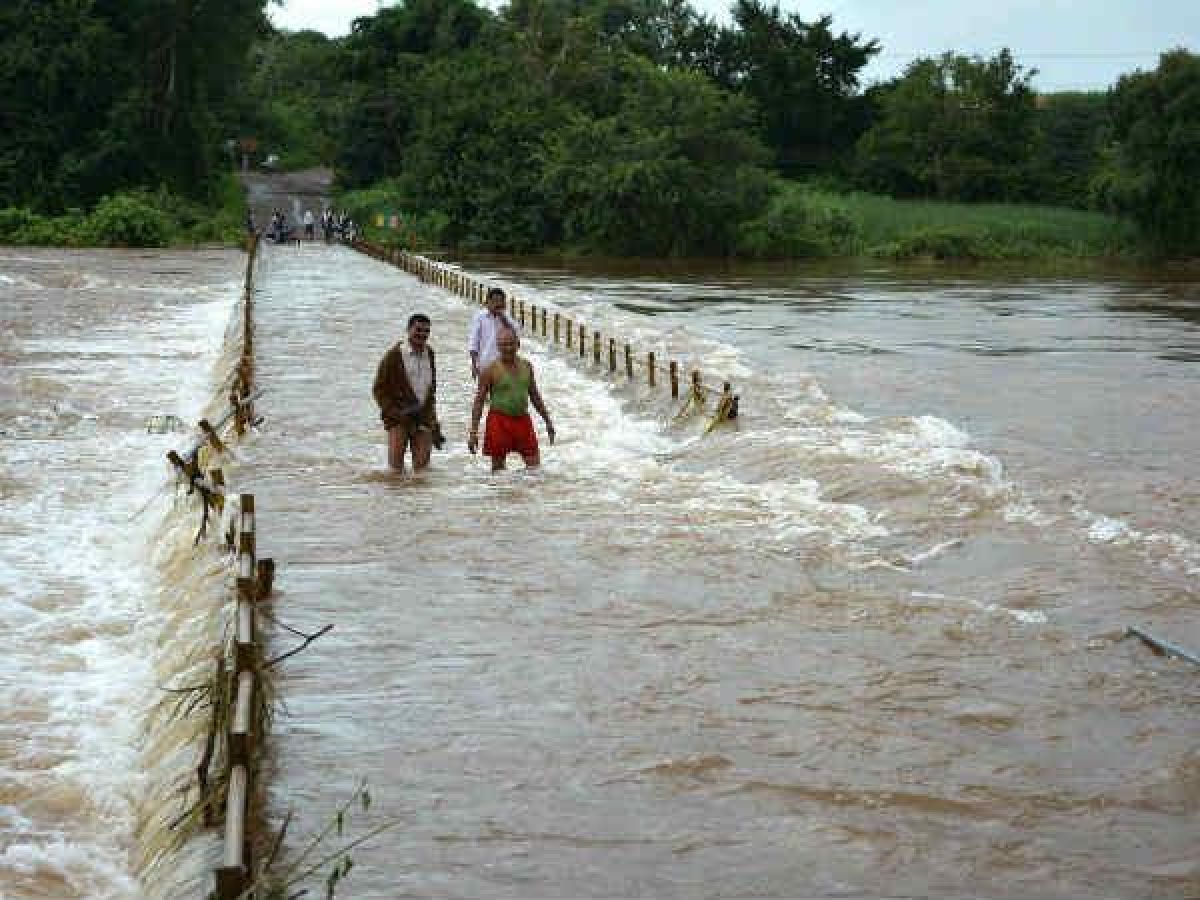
1074, 44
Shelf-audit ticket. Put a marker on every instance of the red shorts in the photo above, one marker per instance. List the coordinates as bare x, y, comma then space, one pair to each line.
509, 434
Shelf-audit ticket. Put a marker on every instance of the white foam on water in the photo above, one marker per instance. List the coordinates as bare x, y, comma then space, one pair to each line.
1023, 510
936, 550
1170, 550
1023, 616
82, 629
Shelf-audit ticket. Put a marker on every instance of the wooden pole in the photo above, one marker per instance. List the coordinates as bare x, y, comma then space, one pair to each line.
543, 321
556, 328
612, 355
241, 737
582, 341
650, 374
570, 333
628, 363
674, 370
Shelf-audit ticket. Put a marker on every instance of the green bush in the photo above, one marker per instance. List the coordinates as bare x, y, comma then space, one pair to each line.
134, 219
224, 221
430, 228
21, 226
129, 220
800, 223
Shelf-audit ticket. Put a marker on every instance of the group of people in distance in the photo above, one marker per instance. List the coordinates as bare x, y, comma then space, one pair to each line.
333, 224
406, 390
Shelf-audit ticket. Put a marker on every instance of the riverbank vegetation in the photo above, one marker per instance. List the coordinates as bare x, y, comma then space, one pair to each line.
134, 218
630, 127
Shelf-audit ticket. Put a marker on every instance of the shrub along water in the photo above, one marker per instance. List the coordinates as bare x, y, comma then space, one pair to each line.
132, 219
812, 221
804, 220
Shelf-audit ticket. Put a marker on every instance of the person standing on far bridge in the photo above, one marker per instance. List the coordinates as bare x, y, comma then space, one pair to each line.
406, 390
309, 225
486, 325
509, 387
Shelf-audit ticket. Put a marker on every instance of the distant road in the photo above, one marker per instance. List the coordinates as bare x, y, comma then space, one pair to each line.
291, 192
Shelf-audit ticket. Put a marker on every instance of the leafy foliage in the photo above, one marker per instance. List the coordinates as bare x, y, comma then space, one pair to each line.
672, 172
610, 126
803, 78
102, 95
956, 128
128, 220
799, 223
1151, 171
1071, 131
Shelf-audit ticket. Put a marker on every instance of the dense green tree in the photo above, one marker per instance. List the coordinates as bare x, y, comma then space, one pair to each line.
804, 79
1070, 134
106, 94
294, 100
672, 172
471, 157
61, 71
384, 57
955, 128
1151, 170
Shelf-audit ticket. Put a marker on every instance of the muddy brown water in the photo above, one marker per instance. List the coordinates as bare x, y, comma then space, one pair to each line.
867, 642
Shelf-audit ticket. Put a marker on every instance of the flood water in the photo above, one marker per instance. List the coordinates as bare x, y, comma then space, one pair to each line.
94, 345
867, 641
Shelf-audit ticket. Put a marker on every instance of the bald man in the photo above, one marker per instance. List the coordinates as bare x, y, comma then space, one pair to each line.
508, 387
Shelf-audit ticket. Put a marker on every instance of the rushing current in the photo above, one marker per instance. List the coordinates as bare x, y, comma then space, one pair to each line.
868, 640
98, 349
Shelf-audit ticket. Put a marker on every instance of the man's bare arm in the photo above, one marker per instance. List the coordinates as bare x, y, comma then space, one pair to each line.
481, 394
535, 397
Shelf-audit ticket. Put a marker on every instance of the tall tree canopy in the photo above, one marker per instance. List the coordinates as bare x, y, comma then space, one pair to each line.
105, 94
955, 128
804, 79
1155, 159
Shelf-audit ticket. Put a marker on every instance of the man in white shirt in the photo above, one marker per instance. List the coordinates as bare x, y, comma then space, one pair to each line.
487, 324
406, 390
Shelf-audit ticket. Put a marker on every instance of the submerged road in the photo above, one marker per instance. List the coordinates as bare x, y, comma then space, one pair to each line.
638, 675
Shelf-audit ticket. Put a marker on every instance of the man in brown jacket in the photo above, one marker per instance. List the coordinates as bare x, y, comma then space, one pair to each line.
406, 391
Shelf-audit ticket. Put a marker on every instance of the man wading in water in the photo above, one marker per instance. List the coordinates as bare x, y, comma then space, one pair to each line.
509, 387
406, 391
485, 328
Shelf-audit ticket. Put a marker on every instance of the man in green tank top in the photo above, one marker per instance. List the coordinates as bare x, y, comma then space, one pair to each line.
509, 387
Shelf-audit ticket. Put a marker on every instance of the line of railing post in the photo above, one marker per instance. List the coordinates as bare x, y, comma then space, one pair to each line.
233, 877
467, 286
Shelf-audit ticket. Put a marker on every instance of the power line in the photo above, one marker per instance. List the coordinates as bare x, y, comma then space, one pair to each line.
1047, 54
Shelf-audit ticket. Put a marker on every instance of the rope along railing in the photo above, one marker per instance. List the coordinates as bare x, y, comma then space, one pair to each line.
555, 327
238, 697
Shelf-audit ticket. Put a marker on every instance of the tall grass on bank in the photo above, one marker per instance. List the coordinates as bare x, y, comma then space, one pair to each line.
137, 218
804, 221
